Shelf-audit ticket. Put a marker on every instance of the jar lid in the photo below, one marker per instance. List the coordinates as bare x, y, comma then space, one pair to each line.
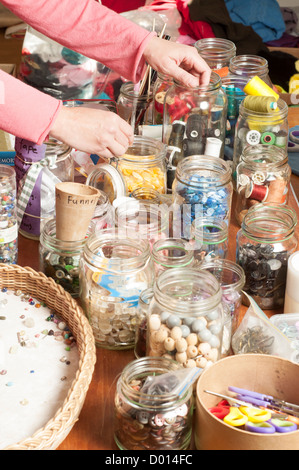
108, 179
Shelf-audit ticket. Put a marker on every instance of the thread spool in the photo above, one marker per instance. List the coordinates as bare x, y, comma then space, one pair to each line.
256, 192
260, 104
268, 138
277, 192
213, 147
257, 87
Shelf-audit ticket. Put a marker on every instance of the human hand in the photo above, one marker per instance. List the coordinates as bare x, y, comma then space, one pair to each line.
180, 61
94, 131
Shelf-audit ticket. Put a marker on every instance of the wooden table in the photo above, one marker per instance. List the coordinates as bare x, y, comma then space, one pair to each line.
94, 429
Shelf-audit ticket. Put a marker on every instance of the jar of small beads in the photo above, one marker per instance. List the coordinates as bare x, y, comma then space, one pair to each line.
185, 318
265, 242
210, 239
217, 53
263, 175
8, 216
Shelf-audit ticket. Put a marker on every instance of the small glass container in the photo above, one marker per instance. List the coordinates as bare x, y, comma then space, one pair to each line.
217, 53
146, 194
264, 244
141, 325
60, 259
267, 128
113, 272
202, 188
249, 66
162, 84
103, 217
171, 253
263, 175
8, 216
210, 239
185, 317
146, 421
135, 108
108, 180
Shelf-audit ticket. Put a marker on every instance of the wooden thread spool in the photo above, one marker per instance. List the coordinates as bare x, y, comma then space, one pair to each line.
260, 104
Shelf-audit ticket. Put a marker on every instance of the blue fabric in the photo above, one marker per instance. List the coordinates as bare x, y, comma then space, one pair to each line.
264, 16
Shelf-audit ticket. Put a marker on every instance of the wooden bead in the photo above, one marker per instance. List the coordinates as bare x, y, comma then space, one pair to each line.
169, 344
181, 357
176, 332
190, 363
192, 339
201, 362
204, 348
192, 351
181, 345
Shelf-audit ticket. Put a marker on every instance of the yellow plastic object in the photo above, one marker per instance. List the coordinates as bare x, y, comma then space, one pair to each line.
256, 415
257, 87
235, 417
294, 83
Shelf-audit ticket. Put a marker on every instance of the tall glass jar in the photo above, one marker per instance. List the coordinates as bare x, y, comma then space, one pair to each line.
217, 53
113, 272
162, 84
249, 66
60, 259
133, 107
253, 128
141, 325
202, 188
210, 239
264, 244
8, 216
185, 318
39, 168
151, 420
263, 175
171, 253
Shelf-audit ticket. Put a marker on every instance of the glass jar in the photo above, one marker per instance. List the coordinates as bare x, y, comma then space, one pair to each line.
8, 216
249, 66
253, 128
202, 188
104, 214
185, 318
162, 84
217, 53
263, 175
264, 244
60, 259
192, 117
141, 325
135, 108
108, 180
151, 421
113, 272
210, 239
146, 194
171, 253
38, 169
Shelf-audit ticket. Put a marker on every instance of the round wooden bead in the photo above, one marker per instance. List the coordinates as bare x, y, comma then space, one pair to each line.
192, 351
181, 345
204, 348
181, 357
201, 362
212, 355
192, 339
169, 344
161, 335
176, 332
190, 363
154, 322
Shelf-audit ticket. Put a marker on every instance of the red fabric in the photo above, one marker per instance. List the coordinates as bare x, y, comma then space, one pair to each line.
121, 6
195, 29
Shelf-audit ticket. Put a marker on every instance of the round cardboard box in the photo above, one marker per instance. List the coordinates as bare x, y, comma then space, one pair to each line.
260, 373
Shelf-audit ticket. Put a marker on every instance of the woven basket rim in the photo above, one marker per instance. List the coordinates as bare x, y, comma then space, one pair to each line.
15, 277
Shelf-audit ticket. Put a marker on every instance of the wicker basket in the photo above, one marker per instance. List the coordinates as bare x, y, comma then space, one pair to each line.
43, 288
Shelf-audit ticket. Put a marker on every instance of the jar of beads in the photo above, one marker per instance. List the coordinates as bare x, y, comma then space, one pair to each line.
171, 253
210, 239
249, 66
113, 272
217, 53
162, 84
8, 216
202, 188
148, 415
265, 242
263, 175
185, 318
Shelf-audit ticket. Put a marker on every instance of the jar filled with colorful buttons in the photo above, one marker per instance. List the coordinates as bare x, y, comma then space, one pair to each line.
60, 259
262, 120
217, 53
171, 253
8, 216
134, 107
185, 317
249, 66
113, 272
202, 188
148, 415
263, 175
265, 242
210, 239
141, 325
162, 84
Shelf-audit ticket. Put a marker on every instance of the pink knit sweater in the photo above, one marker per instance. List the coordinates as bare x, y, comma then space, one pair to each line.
84, 26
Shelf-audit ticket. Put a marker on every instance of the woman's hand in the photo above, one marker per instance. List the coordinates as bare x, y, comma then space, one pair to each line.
94, 131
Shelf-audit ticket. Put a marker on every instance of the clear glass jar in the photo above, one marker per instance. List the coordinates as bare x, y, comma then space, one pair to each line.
249, 66
146, 194
103, 217
146, 421
171, 253
133, 107
217, 53
253, 128
56, 165
162, 84
264, 244
141, 325
263, 175
60, 259
108, 180
202, 188
113, 272
185, 318
210, 239
8, 216
192, 117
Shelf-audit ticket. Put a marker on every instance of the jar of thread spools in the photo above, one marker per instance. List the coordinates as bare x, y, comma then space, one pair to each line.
141, 324
263, 175
149, 416
217, 53
162, 84
262, 120
264, 244
8, 216
185, 318
202, 188
134, 106
113, 272
210, 239
249, 66
171, 253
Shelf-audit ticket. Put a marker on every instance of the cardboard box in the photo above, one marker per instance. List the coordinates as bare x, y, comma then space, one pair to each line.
7, 141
